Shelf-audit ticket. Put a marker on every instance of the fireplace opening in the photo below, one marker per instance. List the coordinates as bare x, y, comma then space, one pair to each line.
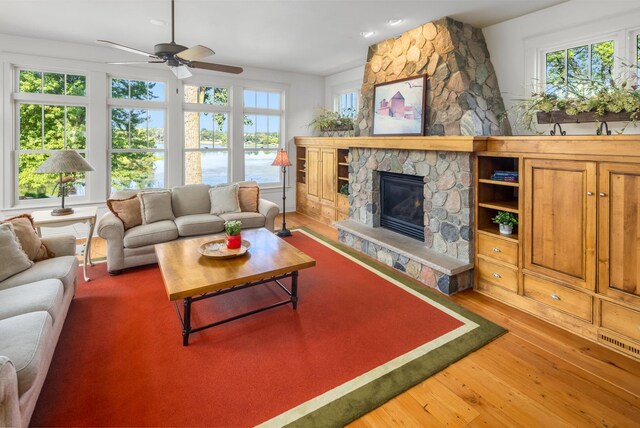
402, 204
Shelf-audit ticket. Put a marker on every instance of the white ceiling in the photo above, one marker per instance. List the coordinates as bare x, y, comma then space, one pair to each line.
309, 36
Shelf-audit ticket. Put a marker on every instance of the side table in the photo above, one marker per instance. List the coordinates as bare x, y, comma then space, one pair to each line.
85, 215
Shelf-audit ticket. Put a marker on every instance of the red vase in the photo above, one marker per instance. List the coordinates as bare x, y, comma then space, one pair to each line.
234, 241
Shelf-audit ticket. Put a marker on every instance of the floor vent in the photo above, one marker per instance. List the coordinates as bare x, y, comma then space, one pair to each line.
621, 345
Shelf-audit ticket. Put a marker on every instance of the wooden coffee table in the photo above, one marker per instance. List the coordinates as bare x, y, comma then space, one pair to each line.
190, 277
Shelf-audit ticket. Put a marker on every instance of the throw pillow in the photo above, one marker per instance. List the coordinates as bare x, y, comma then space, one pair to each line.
127, 210
155, 206
248, 196
224, 199
14, 259
29, 240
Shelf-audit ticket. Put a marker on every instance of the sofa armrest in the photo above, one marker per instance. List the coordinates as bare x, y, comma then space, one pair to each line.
269, 210
63, 245
110, 227
9, 400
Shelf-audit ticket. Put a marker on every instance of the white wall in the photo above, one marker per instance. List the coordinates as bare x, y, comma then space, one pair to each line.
303, 93
513, 44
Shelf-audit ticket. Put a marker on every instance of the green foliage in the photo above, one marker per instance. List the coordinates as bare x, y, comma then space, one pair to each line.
328, 120
344, 189
232, 227
507, 218
599, 96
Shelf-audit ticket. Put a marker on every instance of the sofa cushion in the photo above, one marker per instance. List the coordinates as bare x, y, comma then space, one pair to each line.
128, 211
190, 199
248, 196
45, 295
14, 259
29, 240
224, 199
27, 340
249, 220
199, 224
149, 234
63, 268
156, 206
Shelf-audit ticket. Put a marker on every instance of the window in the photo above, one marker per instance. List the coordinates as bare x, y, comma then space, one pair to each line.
347, 104
51, 112
637, 52
567, 71
137, 134
263, 126
206, 135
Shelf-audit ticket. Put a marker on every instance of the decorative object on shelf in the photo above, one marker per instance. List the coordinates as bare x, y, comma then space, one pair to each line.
61, 162
344, 190
586, 100
507, 221
334, 124
511, 176
218, 249
233, 239
282, 160
399, 107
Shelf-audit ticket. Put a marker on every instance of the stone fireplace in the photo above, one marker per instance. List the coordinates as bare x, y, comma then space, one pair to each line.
402, 204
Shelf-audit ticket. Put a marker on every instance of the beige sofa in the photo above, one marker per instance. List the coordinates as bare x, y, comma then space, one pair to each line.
191, 207
33, 307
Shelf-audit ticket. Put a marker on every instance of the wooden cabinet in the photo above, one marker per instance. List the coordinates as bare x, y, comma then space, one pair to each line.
560, 208
619, 231
318, 188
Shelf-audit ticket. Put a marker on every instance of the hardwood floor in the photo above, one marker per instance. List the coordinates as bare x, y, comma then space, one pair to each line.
536, 375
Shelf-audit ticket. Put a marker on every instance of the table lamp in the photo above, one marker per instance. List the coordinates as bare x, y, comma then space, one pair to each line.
282, 160
60, 162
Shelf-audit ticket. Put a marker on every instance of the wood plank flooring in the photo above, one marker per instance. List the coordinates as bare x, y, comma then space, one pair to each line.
536, 375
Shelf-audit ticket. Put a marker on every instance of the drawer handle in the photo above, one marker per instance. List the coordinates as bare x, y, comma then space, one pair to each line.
496, 250
555, 297
497, 275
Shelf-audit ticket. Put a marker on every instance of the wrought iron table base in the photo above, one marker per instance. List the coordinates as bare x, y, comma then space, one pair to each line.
185, 318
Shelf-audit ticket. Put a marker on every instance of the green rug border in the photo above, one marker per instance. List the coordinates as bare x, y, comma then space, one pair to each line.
371, 396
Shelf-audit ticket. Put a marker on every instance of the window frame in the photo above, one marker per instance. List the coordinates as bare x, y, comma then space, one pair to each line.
281, 112
338, 95
209, 108
127, 103
20, 98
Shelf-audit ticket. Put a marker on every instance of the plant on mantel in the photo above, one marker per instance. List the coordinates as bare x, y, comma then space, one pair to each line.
332, 123
586, 100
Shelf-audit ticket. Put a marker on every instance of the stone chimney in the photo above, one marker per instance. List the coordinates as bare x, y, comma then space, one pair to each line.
463, 97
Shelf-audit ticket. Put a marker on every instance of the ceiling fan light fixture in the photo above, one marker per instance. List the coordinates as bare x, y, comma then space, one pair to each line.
181, 71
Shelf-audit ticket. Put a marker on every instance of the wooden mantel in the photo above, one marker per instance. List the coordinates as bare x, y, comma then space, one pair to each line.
585, 145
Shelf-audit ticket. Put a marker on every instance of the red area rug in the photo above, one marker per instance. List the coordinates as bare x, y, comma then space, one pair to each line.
120, 359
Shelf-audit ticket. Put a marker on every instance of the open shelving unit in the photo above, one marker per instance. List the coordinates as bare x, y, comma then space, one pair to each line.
495, 195
301, 165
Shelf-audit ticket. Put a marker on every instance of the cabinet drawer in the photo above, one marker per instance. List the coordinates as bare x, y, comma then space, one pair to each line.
497, 274
499, 249
311, 208
343, 203
559, 297
327, 212
620, 319
342, 216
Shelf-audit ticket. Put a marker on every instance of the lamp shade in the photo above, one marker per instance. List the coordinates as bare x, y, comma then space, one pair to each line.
64, 161
282, 158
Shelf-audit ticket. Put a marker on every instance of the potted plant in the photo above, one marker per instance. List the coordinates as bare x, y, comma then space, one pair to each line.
233, 238
332, 123
344, 189
506, 220
583, 100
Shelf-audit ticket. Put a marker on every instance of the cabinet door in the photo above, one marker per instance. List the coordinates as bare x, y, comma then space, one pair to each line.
313, 172
619, 231
328, 178
560, 220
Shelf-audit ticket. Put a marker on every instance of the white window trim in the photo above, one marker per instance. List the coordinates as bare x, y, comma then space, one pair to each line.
338, 94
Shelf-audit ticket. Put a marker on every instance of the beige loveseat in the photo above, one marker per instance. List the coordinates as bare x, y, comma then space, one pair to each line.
33, 307
191, 206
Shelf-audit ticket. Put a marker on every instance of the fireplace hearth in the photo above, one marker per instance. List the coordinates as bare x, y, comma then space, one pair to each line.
402, 204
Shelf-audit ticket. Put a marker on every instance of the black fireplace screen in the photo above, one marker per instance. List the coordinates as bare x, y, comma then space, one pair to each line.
402, 204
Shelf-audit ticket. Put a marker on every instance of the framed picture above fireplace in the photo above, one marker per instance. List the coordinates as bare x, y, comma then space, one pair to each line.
399, 107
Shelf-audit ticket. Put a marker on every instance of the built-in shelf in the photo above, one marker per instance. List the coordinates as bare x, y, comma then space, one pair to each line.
343, 178
343, 163
509, 206
499, 183
494, 231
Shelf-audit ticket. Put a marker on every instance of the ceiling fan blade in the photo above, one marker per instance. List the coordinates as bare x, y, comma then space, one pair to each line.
137, 62
195, 52
126, 48
216, 67
181, 71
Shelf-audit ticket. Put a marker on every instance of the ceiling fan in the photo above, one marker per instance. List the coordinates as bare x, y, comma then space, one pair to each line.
179, 58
